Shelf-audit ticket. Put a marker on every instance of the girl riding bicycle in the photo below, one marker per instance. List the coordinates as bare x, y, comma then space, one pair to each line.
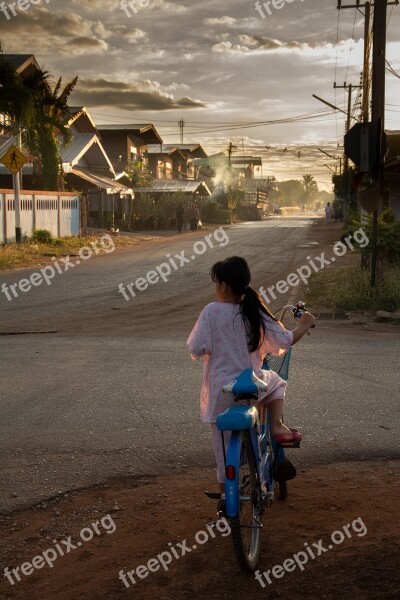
233, 334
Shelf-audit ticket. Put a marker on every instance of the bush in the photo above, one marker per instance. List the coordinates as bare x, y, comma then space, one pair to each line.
388, 244
354, 291
42, 236
213, 213
248, 213
350, 290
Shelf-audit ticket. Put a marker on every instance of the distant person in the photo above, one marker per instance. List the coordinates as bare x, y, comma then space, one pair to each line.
180, 213
194, 219
328, 213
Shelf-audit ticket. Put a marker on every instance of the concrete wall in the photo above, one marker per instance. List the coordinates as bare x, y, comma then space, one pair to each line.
58, 212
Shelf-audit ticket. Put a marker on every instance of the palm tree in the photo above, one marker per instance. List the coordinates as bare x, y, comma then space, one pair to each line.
310, 187
51, 124
31, 106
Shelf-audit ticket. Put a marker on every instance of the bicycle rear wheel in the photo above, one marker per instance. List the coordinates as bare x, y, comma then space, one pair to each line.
246, 526
282, 490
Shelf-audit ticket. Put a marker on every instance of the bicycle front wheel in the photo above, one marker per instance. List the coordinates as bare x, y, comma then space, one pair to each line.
246, 525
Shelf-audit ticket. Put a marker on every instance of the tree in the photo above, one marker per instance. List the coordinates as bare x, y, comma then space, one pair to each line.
16, 102
52, 117
40, 113
138, 177
310, 188
290, 192
341, 187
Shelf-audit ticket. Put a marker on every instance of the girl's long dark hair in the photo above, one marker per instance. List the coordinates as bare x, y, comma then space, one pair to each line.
235, 273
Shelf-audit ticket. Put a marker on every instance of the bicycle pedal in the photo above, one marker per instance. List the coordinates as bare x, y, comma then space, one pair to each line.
215, 495
290, 444
284, 471
221, 508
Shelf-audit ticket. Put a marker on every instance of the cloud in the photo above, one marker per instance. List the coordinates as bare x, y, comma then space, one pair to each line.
138, 6
132, 35
55, 32
165, 6
86, 43
135, 95
322, 51
220, 21
229, 47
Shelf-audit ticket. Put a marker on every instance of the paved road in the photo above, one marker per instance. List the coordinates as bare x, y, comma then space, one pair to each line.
115, 392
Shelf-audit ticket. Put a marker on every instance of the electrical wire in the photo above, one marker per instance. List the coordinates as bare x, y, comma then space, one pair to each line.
390, 69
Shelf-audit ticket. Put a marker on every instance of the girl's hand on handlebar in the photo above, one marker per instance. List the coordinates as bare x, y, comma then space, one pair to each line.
305, 323
307, 320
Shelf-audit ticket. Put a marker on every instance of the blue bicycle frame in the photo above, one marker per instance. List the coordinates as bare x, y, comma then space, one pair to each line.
261, 442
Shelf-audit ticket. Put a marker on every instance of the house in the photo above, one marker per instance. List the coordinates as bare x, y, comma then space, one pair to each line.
191, 193
173, 161
88, 169
247, 167
126, 143
191, 190
85, 161
24, 64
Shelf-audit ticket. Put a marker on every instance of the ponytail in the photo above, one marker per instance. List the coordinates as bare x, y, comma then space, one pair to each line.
251, 306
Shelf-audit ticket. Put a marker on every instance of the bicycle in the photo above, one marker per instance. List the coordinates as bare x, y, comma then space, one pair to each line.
255, 464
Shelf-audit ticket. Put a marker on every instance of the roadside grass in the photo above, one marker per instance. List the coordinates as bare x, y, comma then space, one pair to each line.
32, 253
349, 290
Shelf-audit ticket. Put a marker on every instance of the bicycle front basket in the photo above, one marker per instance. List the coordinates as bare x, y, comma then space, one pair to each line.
279, 364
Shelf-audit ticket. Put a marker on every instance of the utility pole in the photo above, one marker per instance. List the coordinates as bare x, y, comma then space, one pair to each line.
349, 88
378, 113
181, 124
378, 104
230, 150
365, 79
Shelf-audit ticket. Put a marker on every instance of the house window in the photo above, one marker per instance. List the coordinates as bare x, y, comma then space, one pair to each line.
168, 170
160, 169
134, 153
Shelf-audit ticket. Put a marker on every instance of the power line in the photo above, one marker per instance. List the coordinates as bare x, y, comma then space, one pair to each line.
390, 68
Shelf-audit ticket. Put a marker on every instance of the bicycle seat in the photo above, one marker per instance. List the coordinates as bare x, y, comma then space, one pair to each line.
246, 383
237, 418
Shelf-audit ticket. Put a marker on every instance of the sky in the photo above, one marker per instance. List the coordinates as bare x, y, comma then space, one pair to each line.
222, 66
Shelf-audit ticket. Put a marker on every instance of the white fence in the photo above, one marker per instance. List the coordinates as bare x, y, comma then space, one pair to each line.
58, 212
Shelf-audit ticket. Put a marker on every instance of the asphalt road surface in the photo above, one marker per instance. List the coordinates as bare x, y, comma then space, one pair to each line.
113, 390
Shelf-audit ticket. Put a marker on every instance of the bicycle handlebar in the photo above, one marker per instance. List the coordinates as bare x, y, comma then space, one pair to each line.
297, 311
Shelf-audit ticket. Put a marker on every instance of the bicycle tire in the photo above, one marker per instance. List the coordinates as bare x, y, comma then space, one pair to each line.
246, 526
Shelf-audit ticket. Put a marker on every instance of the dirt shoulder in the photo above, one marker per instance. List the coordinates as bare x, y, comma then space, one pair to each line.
96, 242
153, 516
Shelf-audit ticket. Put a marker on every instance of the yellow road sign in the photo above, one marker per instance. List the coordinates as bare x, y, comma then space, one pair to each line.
13, 159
